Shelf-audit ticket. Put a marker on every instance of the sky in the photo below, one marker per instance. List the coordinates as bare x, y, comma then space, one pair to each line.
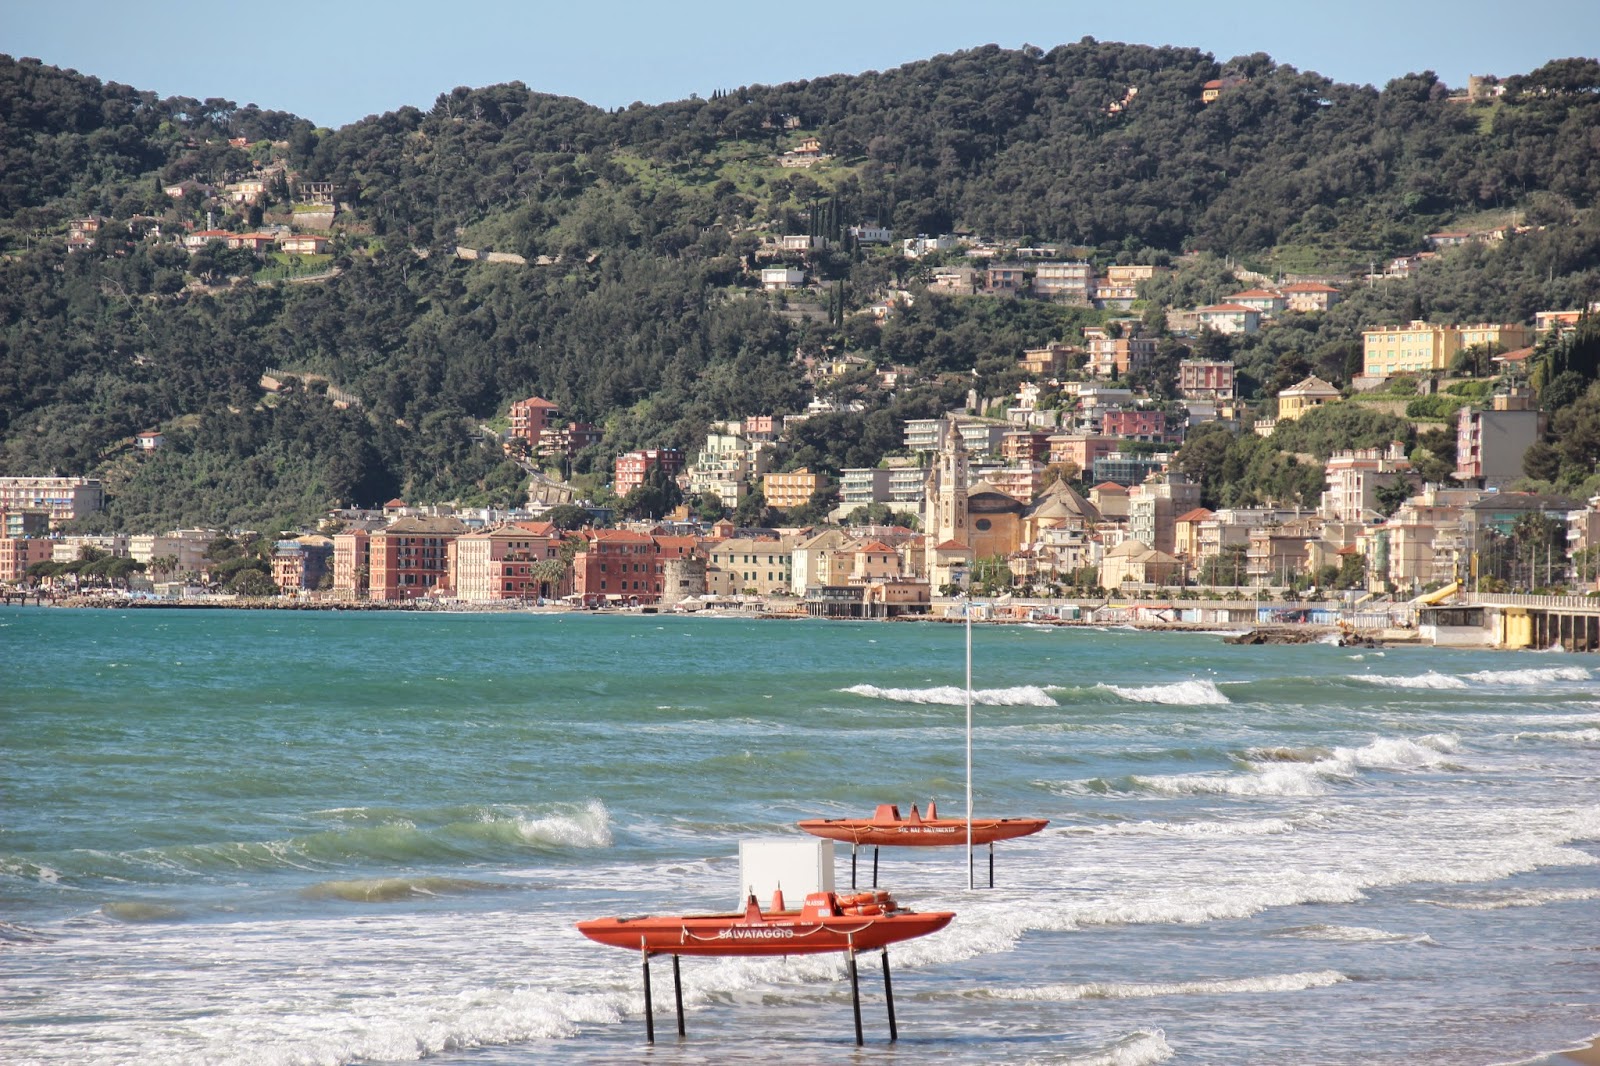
340, 60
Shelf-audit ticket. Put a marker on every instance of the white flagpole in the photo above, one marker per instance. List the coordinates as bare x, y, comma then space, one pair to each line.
970, 884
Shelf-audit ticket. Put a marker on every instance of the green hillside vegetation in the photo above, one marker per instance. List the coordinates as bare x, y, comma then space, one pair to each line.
644, 315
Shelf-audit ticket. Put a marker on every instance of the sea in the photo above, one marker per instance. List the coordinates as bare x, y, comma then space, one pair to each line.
284, 838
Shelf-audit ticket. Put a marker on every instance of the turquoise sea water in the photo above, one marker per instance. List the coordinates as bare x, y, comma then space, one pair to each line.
285, 838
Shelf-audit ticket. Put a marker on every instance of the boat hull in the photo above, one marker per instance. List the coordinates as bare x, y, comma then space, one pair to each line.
935, 832
770, 934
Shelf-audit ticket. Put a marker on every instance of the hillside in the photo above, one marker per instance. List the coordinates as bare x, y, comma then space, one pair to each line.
636, 306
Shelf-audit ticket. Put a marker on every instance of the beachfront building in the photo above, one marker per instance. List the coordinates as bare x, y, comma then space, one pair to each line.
352, 563
410, 558
509, 563
301, 564
616, 567
749, 565
19, 553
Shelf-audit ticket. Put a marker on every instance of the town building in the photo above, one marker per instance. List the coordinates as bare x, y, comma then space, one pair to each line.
1421, 347
1071, 283
19, 553
633, 468
62, 498
1118, 353
794, 488
531, 417
1051, 361
1299, 398
1206, 379
301, 564
1305, 296
1266, 301
1154, 506
747, 565
505, 564
410, 558
1490, 443
1229, 318
774, 279
1354, 477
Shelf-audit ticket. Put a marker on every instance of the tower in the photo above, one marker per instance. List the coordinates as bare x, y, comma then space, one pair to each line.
946, 517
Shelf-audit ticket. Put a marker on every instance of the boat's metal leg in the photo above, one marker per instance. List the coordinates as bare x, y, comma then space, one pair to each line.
888, 994
853, 849
677, 993
991, 864
855, 994
874, 866
649, 1007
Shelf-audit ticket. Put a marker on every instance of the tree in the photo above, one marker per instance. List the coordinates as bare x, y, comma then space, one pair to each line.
567, 516
251, 582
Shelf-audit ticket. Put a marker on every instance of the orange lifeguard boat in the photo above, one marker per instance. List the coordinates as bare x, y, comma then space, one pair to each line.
851, 923
887, 828
828, 921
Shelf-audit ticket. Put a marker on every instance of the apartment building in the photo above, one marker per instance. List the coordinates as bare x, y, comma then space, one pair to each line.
62, 498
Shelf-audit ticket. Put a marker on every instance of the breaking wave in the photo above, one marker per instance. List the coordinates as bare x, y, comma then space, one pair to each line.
956, 696
1287, 982
1183, 693
1431, 679
388, 889
1530, 898
1355, 934
1530, 677
1307, 772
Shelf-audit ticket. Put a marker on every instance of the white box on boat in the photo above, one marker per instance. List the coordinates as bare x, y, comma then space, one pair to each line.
799, 867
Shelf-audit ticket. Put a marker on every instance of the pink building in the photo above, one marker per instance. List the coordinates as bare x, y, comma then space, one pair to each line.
1135, 423
1206, 379
634, 467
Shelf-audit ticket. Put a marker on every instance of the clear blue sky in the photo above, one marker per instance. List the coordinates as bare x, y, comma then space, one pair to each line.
338, 60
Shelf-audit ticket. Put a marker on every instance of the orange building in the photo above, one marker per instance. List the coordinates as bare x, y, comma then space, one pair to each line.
617, 566
530, 418
411, 559
19, 553
634, 467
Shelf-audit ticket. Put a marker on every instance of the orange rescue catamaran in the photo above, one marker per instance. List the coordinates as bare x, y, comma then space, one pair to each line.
828, 921
887, 827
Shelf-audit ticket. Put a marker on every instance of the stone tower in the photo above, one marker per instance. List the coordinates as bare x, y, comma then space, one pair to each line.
945, 518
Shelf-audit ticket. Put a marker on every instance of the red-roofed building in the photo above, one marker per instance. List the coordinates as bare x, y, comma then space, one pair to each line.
616, 566
503, 564
1186, 533
1310, 296
1229, 318
634, 467
530, 417
1267, 301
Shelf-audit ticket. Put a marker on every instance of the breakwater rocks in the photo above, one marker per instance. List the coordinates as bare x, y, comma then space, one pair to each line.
262, 604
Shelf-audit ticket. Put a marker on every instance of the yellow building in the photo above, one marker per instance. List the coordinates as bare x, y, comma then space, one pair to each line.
1421, 347
793, 489
1296, 400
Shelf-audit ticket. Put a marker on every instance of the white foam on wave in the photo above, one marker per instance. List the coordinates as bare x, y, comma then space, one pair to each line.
1355, 934
1530, 677
1289, 777
1144, 1047
1529, 898
1255, 827
1432, 679
1285, 982
956, 696
586, 828
1191, 693
1570, 736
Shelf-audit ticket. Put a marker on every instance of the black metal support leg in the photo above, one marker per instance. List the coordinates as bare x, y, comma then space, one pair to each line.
991, 864
677, 993
855, 995
649, 1007
853, 849
874, 866
888, 994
